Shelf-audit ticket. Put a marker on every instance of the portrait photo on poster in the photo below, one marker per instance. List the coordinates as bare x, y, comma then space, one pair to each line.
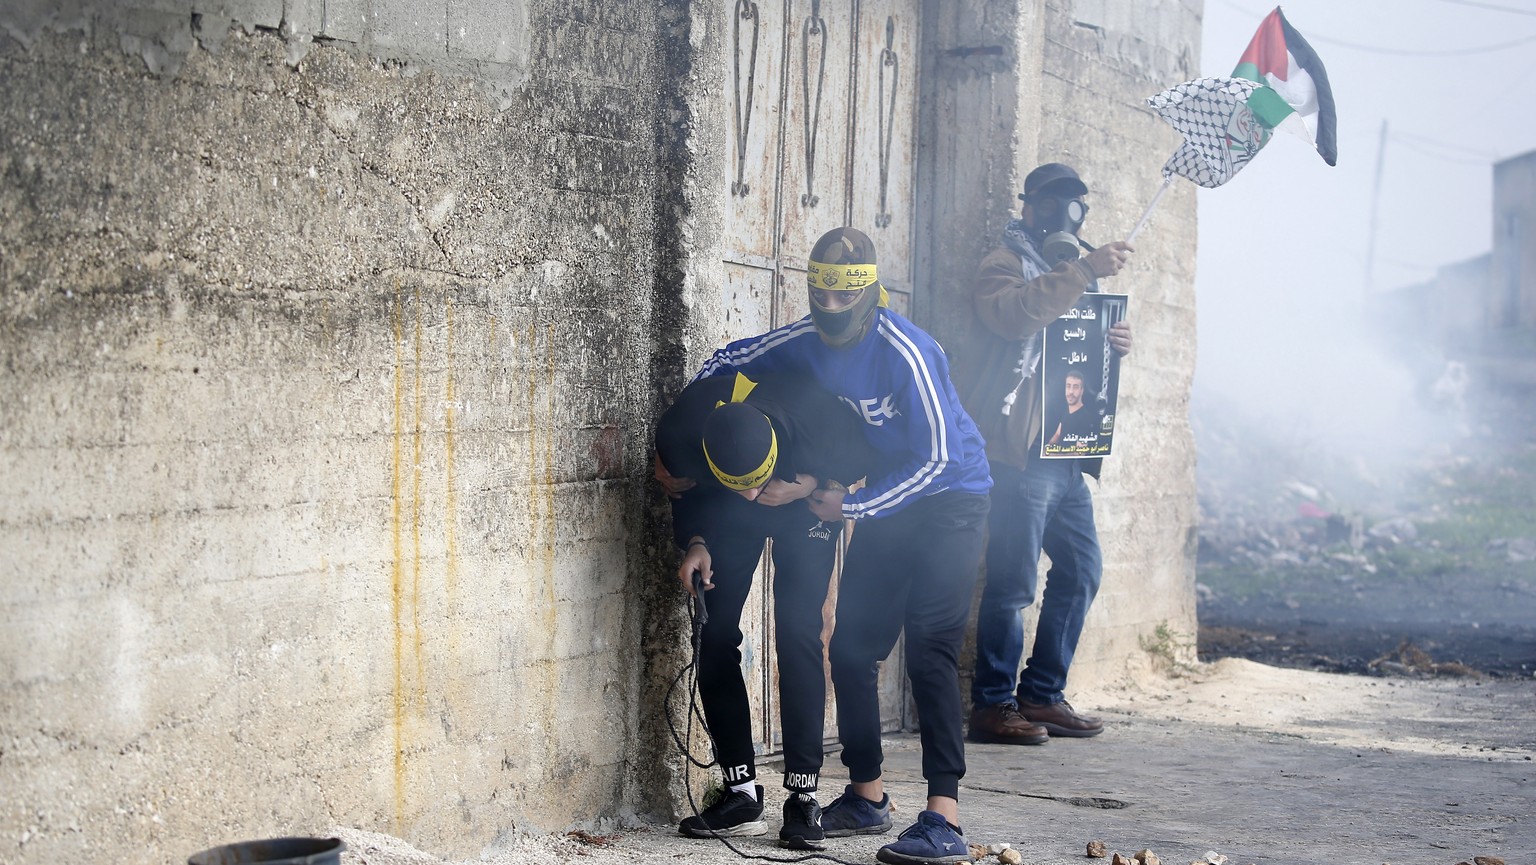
1080, 379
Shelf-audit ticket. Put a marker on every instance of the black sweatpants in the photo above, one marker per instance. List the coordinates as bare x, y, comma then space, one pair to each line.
915, 569
804, 549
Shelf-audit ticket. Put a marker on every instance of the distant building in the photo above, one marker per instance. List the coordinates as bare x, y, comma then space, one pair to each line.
1511, 289
1486, 304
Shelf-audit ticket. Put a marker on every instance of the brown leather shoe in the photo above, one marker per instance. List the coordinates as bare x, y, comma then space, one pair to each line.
1060, 720
1003, 725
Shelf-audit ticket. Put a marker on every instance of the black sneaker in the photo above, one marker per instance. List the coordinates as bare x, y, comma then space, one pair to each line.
735, 815
852, 814
802, 823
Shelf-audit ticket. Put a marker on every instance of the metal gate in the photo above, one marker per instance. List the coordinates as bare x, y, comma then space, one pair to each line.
824, 116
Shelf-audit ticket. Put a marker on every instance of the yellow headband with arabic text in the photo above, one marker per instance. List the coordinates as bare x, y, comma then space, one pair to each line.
839, 277
753, 479
843, 277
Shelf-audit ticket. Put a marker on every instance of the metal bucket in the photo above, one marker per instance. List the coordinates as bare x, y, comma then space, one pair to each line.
274, 851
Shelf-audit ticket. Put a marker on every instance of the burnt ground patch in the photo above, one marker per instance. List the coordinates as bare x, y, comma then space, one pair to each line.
1306, 639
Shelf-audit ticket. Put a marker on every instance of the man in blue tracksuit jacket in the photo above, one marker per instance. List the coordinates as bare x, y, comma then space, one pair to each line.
918, 539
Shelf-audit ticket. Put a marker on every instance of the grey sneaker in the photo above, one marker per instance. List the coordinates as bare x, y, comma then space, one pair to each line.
852, 814
735, 815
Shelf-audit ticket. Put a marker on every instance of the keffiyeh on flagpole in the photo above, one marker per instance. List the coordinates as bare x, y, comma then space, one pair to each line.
1226, 121
1222, 131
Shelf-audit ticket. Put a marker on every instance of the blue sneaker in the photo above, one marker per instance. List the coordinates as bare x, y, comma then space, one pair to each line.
852, 814
929, 841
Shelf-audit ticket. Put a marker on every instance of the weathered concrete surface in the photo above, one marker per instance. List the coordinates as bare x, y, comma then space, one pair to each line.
1102, 60
1018, 84
332, 335
328, 387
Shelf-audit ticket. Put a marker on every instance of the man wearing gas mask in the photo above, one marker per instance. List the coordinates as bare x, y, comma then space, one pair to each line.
1037, 504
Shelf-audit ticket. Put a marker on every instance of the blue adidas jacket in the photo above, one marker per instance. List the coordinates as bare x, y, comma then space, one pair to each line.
897, 380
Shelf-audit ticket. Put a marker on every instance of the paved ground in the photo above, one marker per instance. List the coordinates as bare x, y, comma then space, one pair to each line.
1258, 764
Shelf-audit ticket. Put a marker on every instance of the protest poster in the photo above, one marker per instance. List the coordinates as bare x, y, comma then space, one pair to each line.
1080, 379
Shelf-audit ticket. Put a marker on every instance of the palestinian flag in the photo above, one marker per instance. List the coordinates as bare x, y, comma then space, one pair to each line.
1298, 97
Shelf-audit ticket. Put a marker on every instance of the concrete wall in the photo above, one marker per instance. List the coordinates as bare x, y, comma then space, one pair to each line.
332, 334
1012, 85
328, 376
1112, 56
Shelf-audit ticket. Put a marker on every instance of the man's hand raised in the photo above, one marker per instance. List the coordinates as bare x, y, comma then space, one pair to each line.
1109, 259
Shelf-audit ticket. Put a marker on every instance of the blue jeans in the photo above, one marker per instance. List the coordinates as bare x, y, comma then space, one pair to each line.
1048, 508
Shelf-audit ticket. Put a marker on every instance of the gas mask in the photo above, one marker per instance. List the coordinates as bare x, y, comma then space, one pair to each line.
1055, 225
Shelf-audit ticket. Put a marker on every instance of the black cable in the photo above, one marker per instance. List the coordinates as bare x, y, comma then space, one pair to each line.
698, 615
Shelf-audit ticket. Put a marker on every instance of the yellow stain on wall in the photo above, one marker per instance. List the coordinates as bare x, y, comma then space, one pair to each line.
451, 515
542, 527
420, 690
450, 491
397, 578
406, 591
551, 674
549, 479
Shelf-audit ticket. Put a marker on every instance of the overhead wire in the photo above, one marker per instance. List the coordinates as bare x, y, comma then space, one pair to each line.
1443, 149
1422, 144
1494, 6
1423, 52
1312, 36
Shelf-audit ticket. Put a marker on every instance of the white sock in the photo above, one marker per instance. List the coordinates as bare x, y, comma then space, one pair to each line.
808, 797
749, 788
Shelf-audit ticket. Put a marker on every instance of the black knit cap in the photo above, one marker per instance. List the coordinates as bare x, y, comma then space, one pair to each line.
740, 445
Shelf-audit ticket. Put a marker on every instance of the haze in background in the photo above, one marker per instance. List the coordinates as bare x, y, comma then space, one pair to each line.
1288, 347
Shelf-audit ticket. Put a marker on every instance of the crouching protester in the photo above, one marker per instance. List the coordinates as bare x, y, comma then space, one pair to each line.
913, 557
739, 458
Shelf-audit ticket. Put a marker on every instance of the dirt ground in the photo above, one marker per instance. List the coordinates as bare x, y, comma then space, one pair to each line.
1402, 558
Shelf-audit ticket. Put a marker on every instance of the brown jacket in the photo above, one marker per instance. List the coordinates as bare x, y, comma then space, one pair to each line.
1005, 310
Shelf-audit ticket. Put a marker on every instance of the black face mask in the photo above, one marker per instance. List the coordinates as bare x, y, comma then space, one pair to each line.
1055, 225
849, 324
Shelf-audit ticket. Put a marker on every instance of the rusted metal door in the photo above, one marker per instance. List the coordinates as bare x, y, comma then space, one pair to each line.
823, 119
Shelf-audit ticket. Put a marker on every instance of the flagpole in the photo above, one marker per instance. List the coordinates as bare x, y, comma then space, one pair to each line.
1147, 214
